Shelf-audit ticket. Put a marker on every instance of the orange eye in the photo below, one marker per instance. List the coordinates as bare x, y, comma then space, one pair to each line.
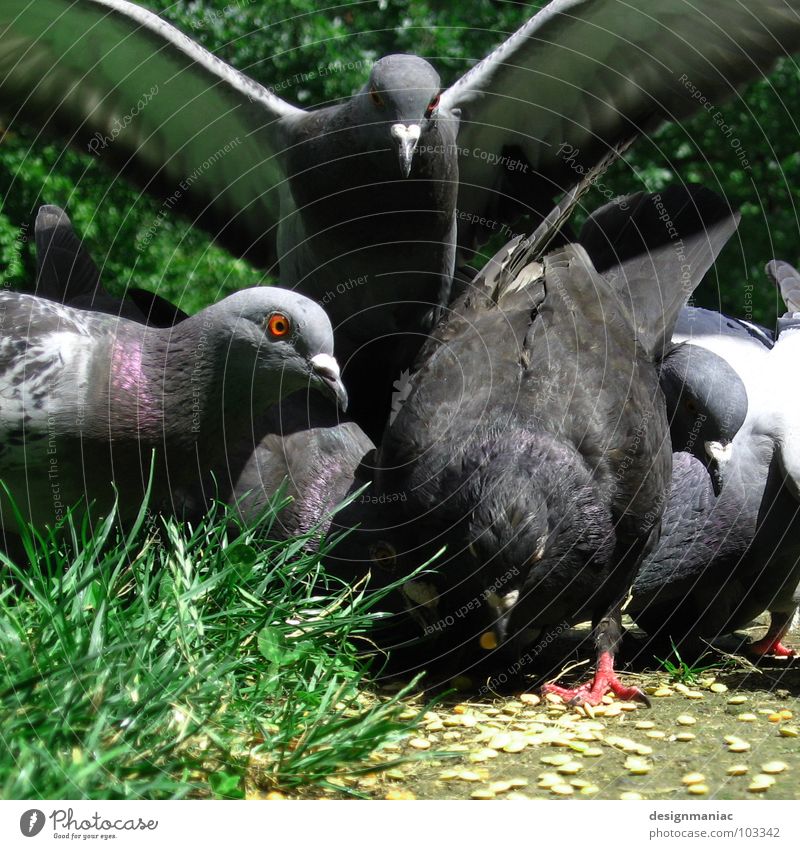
432, 107
278, 325
376, 98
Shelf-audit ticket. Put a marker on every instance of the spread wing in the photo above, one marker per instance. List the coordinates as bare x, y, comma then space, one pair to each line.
583, 74
118, 81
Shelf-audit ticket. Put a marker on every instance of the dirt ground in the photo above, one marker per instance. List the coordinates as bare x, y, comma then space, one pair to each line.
731, 733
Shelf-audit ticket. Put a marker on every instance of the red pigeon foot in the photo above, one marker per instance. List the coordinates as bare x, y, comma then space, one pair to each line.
770, 646
605, 681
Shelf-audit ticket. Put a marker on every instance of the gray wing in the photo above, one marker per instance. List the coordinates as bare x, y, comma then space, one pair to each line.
583, 74
118, 81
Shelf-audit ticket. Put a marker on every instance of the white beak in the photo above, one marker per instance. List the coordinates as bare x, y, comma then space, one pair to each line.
407, 137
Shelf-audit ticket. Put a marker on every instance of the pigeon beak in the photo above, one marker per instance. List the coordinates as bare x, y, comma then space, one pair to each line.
406, 136
500, 608
326, 371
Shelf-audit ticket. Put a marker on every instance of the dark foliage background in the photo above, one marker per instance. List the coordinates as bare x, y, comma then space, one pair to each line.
314, 54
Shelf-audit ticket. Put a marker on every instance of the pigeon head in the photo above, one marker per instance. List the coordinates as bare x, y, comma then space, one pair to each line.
401, 95
285, 333
706, 399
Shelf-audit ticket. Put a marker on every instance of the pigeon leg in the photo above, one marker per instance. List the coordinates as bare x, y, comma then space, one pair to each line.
608, 633
770, 643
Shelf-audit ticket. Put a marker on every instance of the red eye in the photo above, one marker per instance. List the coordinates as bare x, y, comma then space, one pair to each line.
278, 325
432, 107
376, 98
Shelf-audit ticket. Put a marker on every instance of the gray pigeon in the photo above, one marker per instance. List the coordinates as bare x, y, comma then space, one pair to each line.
86, 398
360, 205
533, 447
735, 552
318, 464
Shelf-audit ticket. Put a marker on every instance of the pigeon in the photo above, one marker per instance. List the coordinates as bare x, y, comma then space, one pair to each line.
367, 205
528, 467
315, 466
87, 399
738, 554
67, 274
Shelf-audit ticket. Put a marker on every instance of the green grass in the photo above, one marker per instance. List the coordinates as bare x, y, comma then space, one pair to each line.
181, 662
686, 673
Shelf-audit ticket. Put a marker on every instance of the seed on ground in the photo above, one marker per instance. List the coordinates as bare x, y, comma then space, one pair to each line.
641, 749
590, 790
593, 752
433, 727
697, 789
694, 694
515, 746
449, 775
684, 736
419, 743
656, 735
500, 786
737, 769
660, 693
693, 778
409, 713
788, 731
760, 783
482, 793
572, 768
396, 774
716, 687
686, 719
400, 796
468, 775
631, 796
562, 789
773, 767
786, 714
637, 766
529, 699
645, 724
622, 743
737, 700
554, 699
739, 746
549, 779
774, 717
556, 760
579, 783
516, 783
517, 796
747, 717
499, 741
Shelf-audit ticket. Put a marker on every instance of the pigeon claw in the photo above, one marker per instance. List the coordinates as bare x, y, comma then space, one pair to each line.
770, 647
605, 681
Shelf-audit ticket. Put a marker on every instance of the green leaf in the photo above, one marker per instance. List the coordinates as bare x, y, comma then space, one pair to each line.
226, 785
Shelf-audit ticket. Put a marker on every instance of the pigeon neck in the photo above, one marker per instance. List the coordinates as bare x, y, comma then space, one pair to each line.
180, 383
